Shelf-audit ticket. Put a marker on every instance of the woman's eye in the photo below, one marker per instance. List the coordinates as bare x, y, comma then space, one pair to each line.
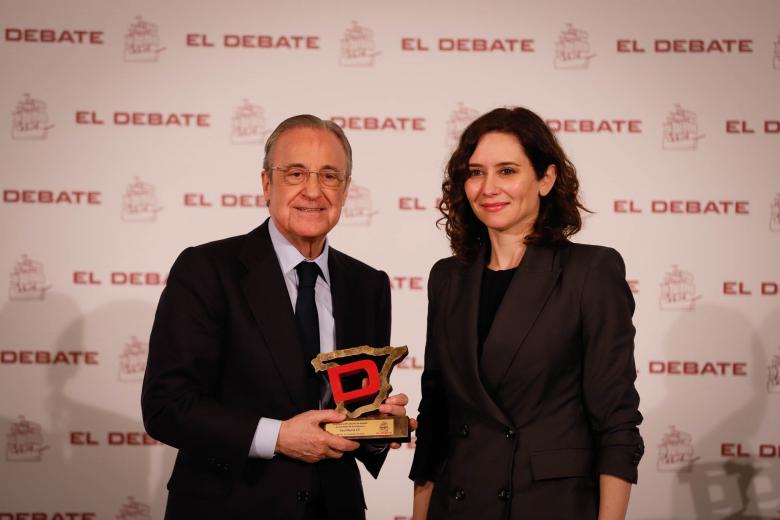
475, 173
506, 171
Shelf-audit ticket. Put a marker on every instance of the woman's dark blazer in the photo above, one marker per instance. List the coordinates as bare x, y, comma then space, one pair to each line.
524, 432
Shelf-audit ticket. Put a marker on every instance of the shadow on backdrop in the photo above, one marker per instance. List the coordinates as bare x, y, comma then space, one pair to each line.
91, 421
705, 483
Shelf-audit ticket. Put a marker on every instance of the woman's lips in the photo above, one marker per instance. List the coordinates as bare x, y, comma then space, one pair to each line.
494, 206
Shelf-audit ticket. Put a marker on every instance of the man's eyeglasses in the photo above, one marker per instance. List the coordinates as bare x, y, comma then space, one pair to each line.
327, 177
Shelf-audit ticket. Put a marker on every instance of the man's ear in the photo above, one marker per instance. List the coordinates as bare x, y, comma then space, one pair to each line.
346, 191
265, 179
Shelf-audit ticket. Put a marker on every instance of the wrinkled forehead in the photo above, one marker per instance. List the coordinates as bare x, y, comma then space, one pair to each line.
310, 147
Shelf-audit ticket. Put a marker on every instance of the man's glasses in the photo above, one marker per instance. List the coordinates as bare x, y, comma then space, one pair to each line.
328, 178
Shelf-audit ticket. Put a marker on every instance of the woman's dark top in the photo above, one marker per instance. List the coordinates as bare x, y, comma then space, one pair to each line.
494, 286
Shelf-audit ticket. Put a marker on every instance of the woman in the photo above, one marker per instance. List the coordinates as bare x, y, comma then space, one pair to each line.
528, 407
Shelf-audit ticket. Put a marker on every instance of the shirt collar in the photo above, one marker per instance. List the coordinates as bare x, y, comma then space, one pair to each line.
289, 256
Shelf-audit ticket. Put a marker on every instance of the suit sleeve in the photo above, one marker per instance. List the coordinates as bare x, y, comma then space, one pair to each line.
372, 457
433, 418
179, 399
383, 311
611, 399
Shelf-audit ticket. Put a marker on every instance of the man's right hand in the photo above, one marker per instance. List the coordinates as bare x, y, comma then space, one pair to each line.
302, 438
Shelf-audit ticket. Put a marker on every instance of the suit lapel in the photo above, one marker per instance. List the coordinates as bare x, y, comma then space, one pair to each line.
340, 295
525, 297
463, 309
264, 289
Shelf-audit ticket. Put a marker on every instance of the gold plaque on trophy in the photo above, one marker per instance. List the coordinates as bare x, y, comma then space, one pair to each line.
360, 381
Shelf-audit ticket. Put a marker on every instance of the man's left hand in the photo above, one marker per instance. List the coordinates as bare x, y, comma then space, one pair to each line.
396, 405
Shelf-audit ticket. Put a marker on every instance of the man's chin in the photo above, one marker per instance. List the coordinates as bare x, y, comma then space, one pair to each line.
311, 231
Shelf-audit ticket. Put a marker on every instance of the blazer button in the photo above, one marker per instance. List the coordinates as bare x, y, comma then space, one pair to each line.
459, 494
510, 434
464, 430
637, 458
303, 495
503, 494
638, 452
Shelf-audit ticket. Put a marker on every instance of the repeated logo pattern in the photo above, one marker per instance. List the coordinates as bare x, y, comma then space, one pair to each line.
132, 360
142, 42
358, 209
675, 453
773, 376
572, 50
678, 291
459, 119
681, 130
776, 56
774, 215
30, 120
134, 510
357, 47
139, 203
28, 280
247, 126
25, 442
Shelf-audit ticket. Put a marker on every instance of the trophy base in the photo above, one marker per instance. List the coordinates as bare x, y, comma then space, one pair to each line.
378, 429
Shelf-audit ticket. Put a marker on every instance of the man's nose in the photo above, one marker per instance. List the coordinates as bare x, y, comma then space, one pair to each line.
312, 188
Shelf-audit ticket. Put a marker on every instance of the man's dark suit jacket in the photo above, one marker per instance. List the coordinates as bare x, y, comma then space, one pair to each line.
224, 352
525, 432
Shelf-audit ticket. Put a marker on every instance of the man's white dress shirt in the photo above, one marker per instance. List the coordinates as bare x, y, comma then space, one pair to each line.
267, 432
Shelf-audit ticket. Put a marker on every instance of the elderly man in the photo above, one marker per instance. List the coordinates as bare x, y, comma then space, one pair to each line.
229, 381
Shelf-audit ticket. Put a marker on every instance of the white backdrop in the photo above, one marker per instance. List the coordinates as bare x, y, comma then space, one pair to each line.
136, 129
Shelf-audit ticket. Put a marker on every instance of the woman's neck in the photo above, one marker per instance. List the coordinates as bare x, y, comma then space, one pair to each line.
506, 249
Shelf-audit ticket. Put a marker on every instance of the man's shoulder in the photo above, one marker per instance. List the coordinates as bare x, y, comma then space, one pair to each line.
223, 246
352, 265
221, 251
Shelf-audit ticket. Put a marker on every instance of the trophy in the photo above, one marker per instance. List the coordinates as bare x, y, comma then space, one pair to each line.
359, 380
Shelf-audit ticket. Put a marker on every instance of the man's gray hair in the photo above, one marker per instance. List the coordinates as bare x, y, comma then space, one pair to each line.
306, 121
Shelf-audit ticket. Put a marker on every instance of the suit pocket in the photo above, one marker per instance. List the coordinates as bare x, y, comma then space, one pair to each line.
562, 463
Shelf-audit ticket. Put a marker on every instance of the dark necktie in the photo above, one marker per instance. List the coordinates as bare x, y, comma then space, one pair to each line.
306, 308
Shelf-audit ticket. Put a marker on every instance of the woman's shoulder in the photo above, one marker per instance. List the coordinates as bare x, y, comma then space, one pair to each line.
444, 269
448, 265
590, 257
579, 251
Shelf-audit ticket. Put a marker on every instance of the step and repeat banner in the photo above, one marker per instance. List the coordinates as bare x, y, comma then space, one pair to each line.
135, 129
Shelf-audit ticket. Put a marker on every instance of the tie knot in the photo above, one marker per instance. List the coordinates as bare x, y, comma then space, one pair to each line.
307, 273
